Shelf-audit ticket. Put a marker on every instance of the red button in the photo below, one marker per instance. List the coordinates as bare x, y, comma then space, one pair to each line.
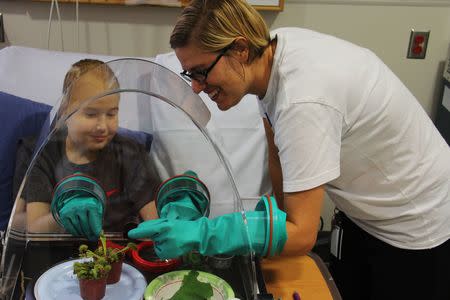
419, 39
417, 50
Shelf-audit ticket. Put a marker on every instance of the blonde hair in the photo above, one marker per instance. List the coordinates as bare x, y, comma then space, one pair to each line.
80, 68
214, 24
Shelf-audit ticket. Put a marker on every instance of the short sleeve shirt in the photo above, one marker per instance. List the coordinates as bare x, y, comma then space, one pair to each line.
122, 168
342, 118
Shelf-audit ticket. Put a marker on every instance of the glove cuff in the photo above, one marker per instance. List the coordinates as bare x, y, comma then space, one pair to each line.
79, 184
178, 186
276, 234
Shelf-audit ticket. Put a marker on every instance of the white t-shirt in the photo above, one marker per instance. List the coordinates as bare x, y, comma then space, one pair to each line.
343, 119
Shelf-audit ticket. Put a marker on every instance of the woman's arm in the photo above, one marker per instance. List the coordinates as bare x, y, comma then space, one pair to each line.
275, 173
303, 216
303, 208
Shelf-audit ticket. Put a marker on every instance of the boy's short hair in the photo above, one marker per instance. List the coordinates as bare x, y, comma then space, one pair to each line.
83, 66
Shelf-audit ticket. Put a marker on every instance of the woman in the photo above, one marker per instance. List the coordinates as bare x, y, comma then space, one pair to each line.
337, 120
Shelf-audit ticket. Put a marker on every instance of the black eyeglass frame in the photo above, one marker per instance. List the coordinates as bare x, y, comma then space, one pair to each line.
201, 75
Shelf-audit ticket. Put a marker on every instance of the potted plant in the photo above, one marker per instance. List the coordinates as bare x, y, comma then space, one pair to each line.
92, 276
115, 257
112, 255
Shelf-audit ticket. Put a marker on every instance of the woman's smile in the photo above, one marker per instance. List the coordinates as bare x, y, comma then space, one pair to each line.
214, 94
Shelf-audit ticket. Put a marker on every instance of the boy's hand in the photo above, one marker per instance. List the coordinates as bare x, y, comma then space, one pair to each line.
183, 197
82, 217
78, 205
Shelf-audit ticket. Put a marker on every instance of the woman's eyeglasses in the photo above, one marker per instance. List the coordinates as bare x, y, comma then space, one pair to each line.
201, 75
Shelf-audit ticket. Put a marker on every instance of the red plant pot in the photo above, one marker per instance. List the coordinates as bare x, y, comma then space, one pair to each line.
92, 289
115, 272
154, 265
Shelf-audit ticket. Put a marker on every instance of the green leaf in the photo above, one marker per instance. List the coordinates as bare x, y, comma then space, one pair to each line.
192, 289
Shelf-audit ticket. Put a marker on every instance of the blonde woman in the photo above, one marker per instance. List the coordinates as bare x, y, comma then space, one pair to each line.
337, 121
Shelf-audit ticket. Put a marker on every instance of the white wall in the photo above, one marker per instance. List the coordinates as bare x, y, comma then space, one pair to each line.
144, 31
383, 26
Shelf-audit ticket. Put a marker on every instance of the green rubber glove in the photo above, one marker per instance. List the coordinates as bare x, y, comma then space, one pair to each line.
182, 208
223, 235
78, 205
183, 197
264, 233
82, 216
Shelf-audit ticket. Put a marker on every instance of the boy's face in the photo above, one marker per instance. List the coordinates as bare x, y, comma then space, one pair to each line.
94, 125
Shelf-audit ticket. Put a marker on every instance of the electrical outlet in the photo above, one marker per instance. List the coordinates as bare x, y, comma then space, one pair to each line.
418, 42
2, 31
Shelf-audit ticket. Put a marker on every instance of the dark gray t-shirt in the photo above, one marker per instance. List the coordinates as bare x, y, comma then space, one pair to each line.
122, 168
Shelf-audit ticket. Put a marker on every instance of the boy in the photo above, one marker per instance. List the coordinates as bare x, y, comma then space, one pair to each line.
87, 142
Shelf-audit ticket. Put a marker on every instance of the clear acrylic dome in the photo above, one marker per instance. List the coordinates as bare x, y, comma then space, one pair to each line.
163, 130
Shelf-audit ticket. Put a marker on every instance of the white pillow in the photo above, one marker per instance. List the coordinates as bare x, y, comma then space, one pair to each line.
38, 74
